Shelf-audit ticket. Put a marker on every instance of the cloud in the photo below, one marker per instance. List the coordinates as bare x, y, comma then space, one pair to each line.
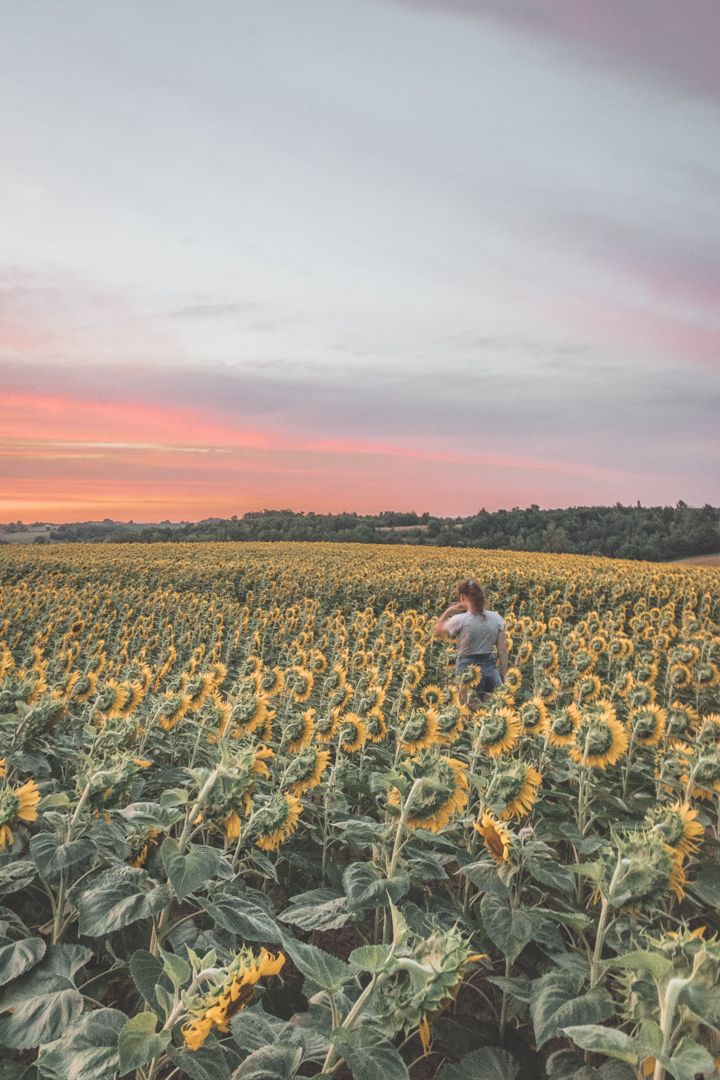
674, 43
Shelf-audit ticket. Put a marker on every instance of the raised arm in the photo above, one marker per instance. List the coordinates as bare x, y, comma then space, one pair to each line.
502, 651
440, 627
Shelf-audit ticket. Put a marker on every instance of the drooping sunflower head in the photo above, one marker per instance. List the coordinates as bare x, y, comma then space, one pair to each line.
352, 732
586, 689
376, 725
17, 805
534, 716
213, 1010
298, 730
681, 721
599, 741
419, 731
499, 731
276, 821
306, 769
438, 789
299, 681
679, 826
450, 722
496, 836
515, 786
647, 724
638, 869
709, 731
433, 695
704, 777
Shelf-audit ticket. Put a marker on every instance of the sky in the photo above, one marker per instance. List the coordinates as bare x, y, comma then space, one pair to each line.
429, 255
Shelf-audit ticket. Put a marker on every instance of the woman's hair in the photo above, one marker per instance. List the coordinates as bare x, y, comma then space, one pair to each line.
469, 587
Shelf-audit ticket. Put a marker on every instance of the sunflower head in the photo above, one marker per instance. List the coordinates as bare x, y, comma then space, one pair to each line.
276, 821
599, 741
679, 826
499, 731
515, 787
647, 724
438, 787
212, 1011
496, 836
639, 869
420, 730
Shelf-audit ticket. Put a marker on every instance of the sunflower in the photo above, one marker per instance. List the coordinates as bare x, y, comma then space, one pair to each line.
306, 770
276, 821
681, 719
442, 793
548, 688
140, 845
299, 681
250, 712
534, 716
228, 997
17, 804
499, 731
513, 679
647, 724
326, 725
641, 695
433, 695
679, 826
599, 741
172, 709
496, 836
353, 732
587, 689
524, 652
704, 778
419, 731
706, 675
679, 676
709, 733
272, 681
299, 731
376, 725
450, 723
517, 786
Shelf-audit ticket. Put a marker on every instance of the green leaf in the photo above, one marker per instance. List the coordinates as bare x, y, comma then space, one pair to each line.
43, 1004
117, 898
66, 960
243, 917
19, 957
208, 1062
324, 970
138, 1041
706, 885
369, 1060
371, 957
518, 988
488, 1063
150, 815
254, 1028
687, 1060
330, 915
509, 930
146, 970
605, 1040
87, 1049
15, 876
643, 960
366, 888
191, 872
555, 1003
177, 969
270, 1063
51, 858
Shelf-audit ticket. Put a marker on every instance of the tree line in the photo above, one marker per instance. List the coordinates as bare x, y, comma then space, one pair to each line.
628, 532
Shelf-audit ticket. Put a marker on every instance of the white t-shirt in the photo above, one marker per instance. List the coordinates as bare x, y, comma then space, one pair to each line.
475, 633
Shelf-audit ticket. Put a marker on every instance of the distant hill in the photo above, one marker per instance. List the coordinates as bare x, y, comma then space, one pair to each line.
626, 532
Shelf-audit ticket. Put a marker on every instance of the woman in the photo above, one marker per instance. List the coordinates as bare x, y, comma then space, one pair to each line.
479, 632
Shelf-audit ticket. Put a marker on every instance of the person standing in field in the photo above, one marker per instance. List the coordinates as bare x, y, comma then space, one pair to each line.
479, 634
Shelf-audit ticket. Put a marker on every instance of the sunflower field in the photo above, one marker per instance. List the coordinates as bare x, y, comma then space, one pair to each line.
251, 826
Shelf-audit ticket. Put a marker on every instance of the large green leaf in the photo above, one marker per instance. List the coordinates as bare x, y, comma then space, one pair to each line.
146, 970
15, 876
43, 1005
371, 957
254, 1028
242, 917
324, 970
327, 915
51, 857
118, 898
139, 1042
488, 1063
556, 1002
208, 1062
369, 1059
147, 815
605, 1040
88, 1049
643, 960
509, 930
19, 957
688, 1060
365, 887
270, 1063
191, 872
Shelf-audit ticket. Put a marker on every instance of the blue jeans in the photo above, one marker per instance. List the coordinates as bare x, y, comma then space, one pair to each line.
486, 662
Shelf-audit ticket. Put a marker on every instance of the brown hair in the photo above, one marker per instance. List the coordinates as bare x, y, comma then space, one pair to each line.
469, 587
